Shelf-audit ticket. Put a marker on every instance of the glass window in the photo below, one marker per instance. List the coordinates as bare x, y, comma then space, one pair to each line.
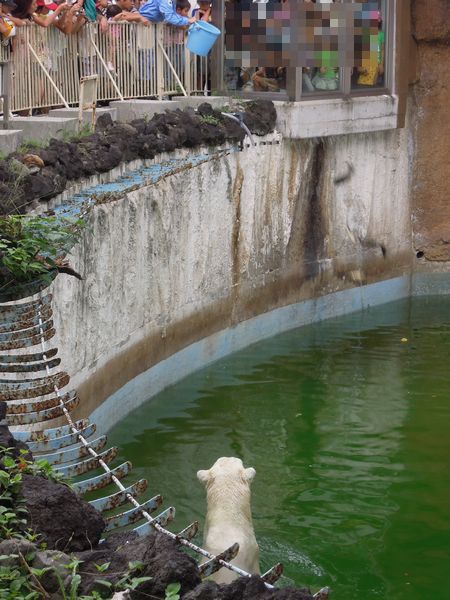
369, 72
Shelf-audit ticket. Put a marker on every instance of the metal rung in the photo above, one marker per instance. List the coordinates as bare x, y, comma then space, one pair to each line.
74, 453
10, 312
26, 321
162, 519
25, 358
15, 407
87, 465
62, 442
119, 498
53, 433
31, 388
213, 565
20, 334
42, 415
27, 342
273, 574
29, 368
322, 594
134, 514
189, 532
101, 481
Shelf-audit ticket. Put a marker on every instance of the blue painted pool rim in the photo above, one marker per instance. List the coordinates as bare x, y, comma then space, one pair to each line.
223, 343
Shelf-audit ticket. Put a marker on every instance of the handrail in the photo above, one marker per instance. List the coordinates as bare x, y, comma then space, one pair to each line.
132, 60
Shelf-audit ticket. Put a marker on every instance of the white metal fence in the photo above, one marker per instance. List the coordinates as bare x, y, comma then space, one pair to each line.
131, 61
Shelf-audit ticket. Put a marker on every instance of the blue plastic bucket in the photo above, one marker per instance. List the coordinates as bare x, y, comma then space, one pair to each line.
201, 37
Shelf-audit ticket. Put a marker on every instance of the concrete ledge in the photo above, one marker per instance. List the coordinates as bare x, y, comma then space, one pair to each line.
68, 113
42, 128
322, 118
10, 140
194, 101
127, 110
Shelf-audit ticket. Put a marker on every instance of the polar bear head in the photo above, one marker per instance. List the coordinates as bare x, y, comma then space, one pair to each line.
226, 469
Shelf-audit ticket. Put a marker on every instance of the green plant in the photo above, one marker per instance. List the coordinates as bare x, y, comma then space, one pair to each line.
171, 591
129, 579
209, 119
28, 145
30, 247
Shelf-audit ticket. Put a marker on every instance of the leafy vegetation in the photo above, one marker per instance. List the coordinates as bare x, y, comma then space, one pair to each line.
31, 246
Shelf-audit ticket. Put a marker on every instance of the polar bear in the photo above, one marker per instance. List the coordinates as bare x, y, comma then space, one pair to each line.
229, 517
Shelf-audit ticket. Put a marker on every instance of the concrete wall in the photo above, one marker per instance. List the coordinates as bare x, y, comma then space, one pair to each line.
222, 242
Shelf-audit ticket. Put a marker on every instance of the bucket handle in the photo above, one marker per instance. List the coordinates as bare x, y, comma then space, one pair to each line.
193, 27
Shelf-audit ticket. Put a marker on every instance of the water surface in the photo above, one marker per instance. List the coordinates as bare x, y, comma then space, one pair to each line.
348, 429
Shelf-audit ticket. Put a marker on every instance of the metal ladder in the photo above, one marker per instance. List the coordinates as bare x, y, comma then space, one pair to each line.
72, 449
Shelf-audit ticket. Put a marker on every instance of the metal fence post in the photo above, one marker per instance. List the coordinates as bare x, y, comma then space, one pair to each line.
6, 71
187, 70
159, 60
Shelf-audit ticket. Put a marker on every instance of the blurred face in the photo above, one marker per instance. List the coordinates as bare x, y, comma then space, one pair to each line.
203, 6
184, 12
125, 4
33, 7
103, 3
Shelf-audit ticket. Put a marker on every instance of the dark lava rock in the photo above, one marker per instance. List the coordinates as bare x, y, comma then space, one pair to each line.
64, 520
113, 143
260, 116
7, 440
162, 558
252, 588
104, 122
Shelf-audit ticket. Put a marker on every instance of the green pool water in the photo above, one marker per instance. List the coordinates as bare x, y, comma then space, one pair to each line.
348, 428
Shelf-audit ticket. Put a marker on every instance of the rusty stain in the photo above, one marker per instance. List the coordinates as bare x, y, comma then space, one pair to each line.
134, 514
189, 532
119, 498
21, 334
27, 407
43, 415
25, 322
11, 389
87, 465
45, 435
29, 368
61, 442
10, 310
213, 565
29, 341
162, 519
101, 481
273, 574
74, 453
25, 358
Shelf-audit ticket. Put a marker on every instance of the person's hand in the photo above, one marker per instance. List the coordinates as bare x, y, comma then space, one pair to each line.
103, 23
380, 70
191, 20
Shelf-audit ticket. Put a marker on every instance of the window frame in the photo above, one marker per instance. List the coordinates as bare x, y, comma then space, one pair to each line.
294, 90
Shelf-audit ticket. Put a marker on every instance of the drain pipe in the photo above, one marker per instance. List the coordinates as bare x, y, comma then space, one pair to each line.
238, 118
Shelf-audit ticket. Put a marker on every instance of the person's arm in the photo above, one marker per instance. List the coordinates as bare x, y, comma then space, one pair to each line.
103, 23
171, 17
3, 26
206, 15
72, 22
134, 17
19, 22
49, 18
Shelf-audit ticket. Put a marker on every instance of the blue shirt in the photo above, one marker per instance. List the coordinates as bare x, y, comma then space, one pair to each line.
162, 10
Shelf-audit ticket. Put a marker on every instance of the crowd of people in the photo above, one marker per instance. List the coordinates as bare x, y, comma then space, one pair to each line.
70, 15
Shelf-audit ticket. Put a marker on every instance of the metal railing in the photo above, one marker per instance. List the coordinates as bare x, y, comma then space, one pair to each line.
131, 60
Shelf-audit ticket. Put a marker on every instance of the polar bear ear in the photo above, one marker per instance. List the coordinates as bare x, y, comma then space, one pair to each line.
203, 476
249, 474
